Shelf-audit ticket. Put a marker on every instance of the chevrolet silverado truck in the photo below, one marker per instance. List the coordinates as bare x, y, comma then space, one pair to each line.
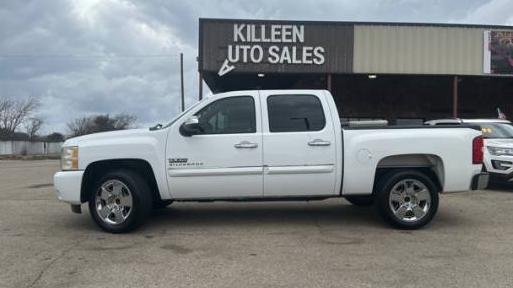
264, 145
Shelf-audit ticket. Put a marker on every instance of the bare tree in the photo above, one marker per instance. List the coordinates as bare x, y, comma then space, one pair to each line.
32, 126
5, 103
5, 107
80, 126
100, 123
123, 121
14, 112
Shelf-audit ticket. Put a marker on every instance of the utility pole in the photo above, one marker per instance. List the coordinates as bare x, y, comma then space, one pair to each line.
200, 87
455, 97
181, 81
200, 80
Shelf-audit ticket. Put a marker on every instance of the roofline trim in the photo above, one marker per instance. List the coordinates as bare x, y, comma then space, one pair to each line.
313, 22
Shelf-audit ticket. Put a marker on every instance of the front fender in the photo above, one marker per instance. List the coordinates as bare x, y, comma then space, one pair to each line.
150, 148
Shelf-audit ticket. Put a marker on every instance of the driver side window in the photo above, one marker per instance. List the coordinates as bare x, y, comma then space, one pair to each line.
228, 116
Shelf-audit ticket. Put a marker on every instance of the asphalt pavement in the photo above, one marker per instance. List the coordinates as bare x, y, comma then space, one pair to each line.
280, 244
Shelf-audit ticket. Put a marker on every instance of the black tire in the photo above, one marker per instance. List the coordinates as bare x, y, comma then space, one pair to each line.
161, 204
141, 200
382, 197
360, 200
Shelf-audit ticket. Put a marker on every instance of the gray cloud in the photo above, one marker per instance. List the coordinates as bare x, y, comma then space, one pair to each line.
492, 12
109, 56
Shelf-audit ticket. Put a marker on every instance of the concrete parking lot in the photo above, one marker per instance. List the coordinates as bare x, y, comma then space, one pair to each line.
305, 244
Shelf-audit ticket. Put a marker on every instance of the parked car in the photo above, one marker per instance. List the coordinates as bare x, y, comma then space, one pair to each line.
498, 142
268, 145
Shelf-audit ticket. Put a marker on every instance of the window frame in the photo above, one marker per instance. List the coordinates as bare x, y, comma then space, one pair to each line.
295, 95
255, 128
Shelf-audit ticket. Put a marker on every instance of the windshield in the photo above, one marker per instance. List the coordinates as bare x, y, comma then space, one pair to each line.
497, 130
181, 114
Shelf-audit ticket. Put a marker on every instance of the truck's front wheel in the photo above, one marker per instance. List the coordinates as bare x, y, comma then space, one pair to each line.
121, 201
407, 199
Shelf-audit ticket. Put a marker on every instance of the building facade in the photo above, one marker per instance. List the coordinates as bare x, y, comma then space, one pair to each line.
402, 72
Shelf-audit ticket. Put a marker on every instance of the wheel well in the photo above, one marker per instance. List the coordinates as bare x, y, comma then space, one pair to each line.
424, 170
96, 169
430, 165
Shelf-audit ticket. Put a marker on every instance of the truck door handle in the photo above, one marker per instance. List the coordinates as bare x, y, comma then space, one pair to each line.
245, 145
319, 142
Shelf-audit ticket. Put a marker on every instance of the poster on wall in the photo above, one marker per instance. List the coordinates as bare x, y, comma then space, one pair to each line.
498, 52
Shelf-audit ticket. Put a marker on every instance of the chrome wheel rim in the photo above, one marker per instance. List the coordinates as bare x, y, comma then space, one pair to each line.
410, 200
113, 202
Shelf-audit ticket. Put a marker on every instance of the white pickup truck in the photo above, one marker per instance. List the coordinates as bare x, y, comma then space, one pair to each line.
268, 145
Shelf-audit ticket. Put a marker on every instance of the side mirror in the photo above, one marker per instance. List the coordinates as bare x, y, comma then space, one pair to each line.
190, 127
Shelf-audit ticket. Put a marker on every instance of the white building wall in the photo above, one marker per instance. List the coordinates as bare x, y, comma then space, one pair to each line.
29, 148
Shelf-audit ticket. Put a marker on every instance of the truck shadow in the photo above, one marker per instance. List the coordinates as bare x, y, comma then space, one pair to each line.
501, 186
270, 216
263, 214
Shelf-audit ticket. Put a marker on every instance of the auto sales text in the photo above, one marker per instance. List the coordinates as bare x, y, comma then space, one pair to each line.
274, 44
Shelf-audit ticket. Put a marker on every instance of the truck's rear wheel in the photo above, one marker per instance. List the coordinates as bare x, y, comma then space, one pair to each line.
360, 200
120, 202
407, 199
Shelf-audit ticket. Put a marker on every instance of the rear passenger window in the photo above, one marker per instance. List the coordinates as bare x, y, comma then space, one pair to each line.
294, 113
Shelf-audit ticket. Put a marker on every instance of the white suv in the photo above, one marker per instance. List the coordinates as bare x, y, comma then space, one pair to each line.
498, 140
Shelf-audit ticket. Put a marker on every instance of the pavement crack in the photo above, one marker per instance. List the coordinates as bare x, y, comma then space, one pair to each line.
50, 264
317, 224
44, 185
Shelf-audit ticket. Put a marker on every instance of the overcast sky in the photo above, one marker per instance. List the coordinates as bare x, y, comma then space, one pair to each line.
82, 57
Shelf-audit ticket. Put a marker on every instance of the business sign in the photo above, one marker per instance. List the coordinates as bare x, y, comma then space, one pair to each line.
283, 47
498, 52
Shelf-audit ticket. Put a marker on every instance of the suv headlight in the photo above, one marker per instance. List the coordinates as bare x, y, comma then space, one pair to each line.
69, 158
498, 151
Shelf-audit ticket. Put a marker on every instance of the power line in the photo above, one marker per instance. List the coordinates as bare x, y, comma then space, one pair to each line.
86, 56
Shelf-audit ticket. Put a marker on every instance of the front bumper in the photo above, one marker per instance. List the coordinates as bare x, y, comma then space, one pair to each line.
499, 165
67, 186
501, 178
480, 181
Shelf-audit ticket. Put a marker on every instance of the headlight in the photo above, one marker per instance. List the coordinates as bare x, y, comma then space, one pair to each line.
69, 158
498, 151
